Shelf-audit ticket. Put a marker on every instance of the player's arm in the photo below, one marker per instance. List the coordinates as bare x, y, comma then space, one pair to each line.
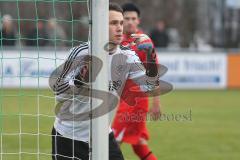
155, 108
139, 75
144, 44
72, 77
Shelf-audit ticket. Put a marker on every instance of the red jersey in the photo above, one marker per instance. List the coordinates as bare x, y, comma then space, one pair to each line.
125, 128
127, 98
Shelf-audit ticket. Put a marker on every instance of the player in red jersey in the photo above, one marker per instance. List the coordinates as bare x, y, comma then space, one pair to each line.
129, 125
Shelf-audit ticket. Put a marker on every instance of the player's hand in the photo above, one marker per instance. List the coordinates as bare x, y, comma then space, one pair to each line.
143, 42
83, 76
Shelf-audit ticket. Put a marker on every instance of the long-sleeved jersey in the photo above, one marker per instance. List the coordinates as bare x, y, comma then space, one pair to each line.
73, 108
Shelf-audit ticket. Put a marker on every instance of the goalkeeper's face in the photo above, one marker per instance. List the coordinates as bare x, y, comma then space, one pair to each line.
115, 27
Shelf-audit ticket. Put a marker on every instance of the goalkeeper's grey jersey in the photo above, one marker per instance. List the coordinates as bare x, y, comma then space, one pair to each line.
123, 64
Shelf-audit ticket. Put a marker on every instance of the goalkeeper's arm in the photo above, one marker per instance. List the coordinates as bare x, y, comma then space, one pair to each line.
144, 43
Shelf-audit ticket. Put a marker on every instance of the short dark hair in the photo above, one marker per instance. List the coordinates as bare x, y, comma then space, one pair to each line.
115, 7
130, 7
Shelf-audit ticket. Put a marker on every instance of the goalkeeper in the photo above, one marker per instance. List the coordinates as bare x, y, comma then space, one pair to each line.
70, 137
129, 125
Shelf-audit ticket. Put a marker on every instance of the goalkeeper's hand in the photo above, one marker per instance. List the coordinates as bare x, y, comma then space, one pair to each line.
82, 77
144, 43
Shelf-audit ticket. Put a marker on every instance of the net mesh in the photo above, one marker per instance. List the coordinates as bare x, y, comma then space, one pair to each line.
40, 35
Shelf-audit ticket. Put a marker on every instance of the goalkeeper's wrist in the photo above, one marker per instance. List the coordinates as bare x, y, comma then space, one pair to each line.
152, 67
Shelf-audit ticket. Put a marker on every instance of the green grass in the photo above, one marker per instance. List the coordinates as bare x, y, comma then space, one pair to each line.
212, 133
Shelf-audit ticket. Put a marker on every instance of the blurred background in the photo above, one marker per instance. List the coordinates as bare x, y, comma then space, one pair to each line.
198, 41
196, 24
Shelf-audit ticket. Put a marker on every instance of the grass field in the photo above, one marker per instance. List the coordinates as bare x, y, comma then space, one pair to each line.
212, 133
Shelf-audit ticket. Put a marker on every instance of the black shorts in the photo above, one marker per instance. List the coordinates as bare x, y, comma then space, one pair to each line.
68, 149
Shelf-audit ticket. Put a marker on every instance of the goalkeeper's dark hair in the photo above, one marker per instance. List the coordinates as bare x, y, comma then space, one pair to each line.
115, 7
130, 7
